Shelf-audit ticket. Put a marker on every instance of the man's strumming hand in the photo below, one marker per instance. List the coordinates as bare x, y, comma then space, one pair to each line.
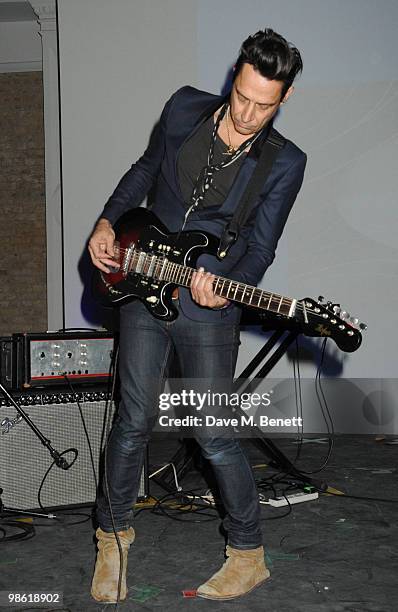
101, 247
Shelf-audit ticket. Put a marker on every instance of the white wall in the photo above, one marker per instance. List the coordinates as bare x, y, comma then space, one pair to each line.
340, 240
121, 60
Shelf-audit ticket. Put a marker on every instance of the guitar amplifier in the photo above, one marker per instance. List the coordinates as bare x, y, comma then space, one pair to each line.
53, 358
24, 460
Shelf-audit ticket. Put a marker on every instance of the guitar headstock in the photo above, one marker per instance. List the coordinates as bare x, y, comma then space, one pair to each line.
330, 321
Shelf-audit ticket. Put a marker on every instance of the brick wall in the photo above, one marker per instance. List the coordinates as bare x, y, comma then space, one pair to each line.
23, 304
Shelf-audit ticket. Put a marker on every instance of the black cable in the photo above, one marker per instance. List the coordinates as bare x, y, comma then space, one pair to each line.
83, 329
324, 409
67, 513
28, 531
289, 486
191, 500
106, 483
12, 512
107, 420
61, 172
161, 508
325, 412
279, 516
298, 398
69, 450
264, 485
76, 397
376, 499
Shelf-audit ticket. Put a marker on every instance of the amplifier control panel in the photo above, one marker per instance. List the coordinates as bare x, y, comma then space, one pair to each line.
83, 358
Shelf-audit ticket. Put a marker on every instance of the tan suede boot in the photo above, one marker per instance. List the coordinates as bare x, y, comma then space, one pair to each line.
242, 571
106, 574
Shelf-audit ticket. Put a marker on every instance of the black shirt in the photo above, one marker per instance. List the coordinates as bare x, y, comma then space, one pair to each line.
193, 157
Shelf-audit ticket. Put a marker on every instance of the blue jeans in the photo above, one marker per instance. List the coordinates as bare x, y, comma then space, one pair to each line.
206, 351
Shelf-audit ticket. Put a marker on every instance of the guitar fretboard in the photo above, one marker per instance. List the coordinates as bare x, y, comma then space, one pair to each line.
161, 269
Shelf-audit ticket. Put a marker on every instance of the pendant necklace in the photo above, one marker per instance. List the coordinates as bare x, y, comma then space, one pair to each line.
231, 149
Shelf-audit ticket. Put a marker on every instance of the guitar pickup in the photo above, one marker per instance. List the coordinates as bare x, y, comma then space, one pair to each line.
151, 266
140, 263
127, 260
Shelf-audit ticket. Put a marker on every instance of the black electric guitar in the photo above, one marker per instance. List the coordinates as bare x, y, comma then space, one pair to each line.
151, 262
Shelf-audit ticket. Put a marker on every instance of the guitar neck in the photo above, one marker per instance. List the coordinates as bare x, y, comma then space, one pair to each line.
233, 290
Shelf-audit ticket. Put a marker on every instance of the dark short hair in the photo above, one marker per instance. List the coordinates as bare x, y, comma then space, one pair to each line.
272, 56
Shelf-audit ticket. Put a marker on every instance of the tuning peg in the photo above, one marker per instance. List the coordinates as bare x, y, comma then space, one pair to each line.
336, 309
344, 314
363, 326
354, 320
320, 299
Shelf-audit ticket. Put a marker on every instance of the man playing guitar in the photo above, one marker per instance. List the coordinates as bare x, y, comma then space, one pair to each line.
200, 158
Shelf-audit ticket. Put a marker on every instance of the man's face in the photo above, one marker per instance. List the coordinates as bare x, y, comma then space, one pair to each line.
254, 100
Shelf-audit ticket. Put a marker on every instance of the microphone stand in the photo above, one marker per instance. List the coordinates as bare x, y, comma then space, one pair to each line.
59, 461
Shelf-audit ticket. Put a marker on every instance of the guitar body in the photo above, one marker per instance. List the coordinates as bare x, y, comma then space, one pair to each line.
137, 231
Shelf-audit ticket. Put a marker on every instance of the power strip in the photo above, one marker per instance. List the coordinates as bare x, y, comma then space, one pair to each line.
295, 498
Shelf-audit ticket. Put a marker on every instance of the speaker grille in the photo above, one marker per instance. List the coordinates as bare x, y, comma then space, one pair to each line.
24, 460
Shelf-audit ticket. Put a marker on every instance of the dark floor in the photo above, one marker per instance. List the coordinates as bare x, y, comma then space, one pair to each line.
332, 554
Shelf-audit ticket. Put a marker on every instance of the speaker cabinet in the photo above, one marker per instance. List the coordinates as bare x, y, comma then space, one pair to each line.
24, 460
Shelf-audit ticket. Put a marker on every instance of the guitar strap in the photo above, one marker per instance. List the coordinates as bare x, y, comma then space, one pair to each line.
270, 149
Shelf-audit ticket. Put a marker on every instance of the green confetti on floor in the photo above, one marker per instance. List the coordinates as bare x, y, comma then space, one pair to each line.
8, 561
271, 556
345, 525
143, 592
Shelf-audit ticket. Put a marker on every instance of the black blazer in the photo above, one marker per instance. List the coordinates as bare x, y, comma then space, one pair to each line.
255, 248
